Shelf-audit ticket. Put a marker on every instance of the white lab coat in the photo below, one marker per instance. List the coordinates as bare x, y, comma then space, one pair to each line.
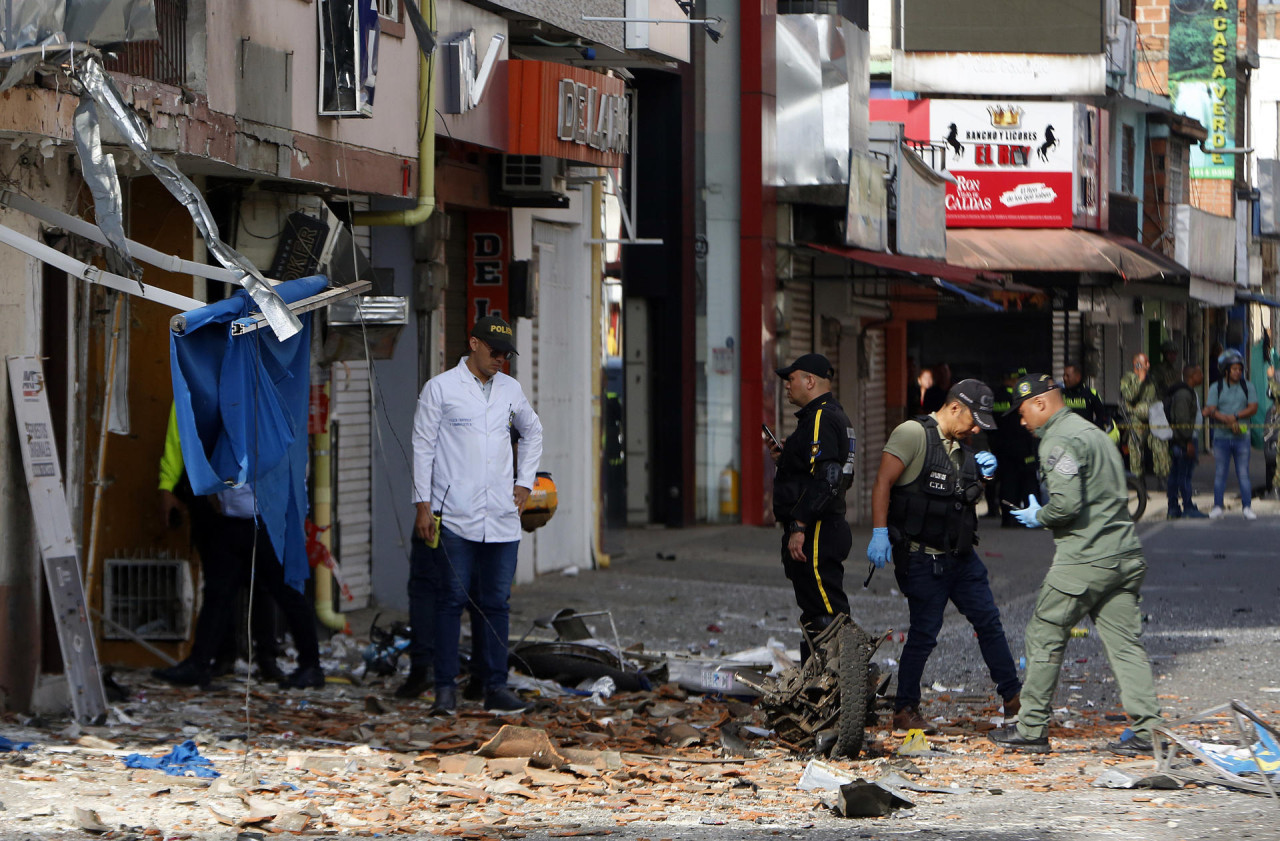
462, 460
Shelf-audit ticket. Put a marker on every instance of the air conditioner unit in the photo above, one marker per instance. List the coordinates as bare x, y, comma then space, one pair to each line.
531, 174
152, 599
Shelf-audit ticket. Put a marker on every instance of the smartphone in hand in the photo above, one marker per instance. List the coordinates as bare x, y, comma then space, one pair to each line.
773, 439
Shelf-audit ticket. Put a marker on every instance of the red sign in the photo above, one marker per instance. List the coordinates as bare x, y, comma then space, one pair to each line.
1002, 199
488, 255
567, 112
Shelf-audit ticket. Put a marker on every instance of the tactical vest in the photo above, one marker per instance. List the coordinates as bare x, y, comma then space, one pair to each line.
1077, 399
937, 508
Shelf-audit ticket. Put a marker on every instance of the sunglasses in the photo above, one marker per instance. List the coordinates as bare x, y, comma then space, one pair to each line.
497, 354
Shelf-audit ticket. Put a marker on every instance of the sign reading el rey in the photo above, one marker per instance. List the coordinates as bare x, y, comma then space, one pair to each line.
1013, 162
568, 112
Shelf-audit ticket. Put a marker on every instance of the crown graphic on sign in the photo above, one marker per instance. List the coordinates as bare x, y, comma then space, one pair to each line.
1005, 116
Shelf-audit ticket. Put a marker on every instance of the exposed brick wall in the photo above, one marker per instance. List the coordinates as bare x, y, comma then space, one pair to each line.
1213, 195
1152, 17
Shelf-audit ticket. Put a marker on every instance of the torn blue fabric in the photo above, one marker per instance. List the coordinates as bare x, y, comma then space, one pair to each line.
7, 745
241, 404
184, 760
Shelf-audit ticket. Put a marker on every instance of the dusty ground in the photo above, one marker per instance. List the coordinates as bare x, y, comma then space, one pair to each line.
350, 760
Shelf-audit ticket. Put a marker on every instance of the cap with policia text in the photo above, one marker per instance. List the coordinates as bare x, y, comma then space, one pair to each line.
1032, 385
978, 397
810, 363
496, 332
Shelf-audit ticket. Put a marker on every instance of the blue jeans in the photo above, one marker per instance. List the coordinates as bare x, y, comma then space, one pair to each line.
929, 583
1225, 447
1178, 490
477, 576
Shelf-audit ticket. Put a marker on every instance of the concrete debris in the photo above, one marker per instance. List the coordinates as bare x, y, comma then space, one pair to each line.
862, 799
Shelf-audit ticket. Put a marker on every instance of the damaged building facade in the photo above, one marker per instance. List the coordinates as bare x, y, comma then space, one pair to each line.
485, 163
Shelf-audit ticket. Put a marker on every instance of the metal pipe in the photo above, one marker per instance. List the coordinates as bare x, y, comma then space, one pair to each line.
426, 147
95, 518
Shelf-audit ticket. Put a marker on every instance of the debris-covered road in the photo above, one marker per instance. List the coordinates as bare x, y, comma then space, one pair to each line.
350, 760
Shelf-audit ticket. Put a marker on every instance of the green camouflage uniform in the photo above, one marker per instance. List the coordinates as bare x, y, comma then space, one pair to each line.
1138, 397
1097, 571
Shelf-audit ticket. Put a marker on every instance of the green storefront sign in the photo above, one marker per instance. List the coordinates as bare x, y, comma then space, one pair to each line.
1202, 77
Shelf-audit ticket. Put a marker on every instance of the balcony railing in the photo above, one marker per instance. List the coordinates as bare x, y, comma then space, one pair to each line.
164, 60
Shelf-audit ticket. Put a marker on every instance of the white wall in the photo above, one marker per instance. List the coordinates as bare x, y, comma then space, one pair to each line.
718, 437
1264, 106
292, 26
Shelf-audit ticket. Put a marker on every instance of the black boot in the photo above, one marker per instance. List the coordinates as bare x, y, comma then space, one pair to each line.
186, 673
419, 681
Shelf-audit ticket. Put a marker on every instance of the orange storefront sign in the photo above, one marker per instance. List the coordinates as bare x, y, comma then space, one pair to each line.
567, 112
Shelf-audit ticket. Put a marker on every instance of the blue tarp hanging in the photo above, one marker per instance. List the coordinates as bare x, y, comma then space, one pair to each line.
241, 405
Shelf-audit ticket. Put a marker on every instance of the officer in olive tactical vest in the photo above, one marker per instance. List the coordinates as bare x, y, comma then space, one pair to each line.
923, 514
1097, 570
814, 469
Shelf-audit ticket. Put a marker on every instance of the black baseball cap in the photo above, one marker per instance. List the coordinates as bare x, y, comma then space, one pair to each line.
810, 363
1032, 385
978, 397
496, 333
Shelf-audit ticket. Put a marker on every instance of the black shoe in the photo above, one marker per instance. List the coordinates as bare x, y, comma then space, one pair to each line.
418, 681
307, 677
446, 703
1194, 514
503, 702
185, 673
269, 672
1010, 739
1173, 515
473, 690
1130, 745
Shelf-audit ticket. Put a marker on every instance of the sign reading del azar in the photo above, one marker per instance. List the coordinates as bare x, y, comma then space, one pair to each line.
568, 112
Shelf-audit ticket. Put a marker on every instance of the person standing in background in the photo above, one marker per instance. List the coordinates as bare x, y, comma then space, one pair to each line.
1231, 403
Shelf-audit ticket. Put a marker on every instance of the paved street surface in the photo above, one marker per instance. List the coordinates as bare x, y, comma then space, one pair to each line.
1210, 599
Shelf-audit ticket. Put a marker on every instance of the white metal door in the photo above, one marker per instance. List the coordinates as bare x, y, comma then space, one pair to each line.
353, 481
562, 393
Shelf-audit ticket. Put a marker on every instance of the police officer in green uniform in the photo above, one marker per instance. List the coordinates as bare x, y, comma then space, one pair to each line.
1097, 570
815, 468
1139, 391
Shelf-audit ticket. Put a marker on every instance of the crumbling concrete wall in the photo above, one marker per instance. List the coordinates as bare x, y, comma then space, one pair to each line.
44, 173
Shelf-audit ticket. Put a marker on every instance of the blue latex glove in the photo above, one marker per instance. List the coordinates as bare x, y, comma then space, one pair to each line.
879, 551
1027, 516
986, 461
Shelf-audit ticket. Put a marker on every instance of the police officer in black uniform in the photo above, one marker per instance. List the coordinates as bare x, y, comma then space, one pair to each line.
814, 469
1081, 399
1015, 447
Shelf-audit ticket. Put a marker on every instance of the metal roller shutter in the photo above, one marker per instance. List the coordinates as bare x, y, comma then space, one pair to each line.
872, 419
798, 303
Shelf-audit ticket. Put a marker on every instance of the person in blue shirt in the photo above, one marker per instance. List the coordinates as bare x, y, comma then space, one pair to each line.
1232, 401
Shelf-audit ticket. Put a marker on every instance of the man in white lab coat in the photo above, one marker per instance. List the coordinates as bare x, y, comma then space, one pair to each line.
469, 493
